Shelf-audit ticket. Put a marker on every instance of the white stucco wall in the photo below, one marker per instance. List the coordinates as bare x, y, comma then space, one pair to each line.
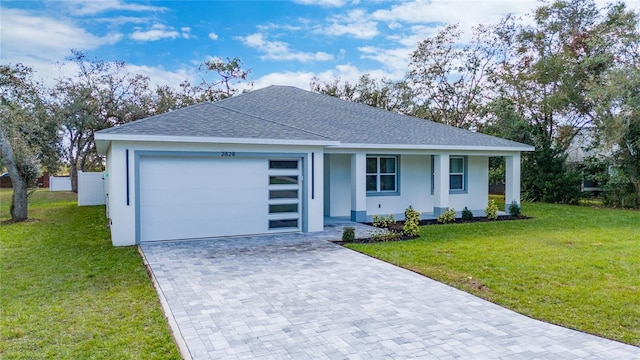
477, 195
123, 216
415, 188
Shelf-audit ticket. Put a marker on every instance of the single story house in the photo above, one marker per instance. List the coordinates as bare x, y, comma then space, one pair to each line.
282, 159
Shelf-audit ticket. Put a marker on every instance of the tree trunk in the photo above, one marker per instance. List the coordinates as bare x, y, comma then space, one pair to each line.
19, 201
73, 174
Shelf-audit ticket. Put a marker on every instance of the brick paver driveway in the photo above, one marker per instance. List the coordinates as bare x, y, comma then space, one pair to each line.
298, 297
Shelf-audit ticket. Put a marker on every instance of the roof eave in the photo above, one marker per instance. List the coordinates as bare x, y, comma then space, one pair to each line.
519, 148
211, 140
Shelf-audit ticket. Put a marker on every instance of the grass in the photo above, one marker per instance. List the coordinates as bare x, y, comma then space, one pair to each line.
574, 266
67, 293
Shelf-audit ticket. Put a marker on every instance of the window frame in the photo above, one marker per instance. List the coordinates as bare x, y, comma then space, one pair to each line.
465, 173
378, 174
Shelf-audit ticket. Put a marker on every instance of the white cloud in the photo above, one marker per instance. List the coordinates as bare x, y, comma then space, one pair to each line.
355, 23
122, 20
213, 36
272, 26
278, 50
159, 76
323, 3
42, 41
95, 7
159, 31
302, 79
394, 61
452, 11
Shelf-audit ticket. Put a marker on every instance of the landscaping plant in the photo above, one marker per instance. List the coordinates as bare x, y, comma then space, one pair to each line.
448, 216
411, 222
514, 209
492, 210
467, 215
349, 233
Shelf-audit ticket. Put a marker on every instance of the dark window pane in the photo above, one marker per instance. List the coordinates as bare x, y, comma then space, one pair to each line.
283, 164
283, 194
283, 208
387, 165
283, 179
387, 183
372, 183
372, 165
455, 182
280, 224
456, 165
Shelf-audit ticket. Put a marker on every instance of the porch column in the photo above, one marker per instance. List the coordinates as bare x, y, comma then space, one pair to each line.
512, 180
440, 183
359, 187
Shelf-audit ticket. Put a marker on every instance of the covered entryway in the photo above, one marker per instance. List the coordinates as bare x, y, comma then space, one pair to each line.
199, 196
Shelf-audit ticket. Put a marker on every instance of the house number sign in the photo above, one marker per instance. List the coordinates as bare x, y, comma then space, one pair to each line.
228, 153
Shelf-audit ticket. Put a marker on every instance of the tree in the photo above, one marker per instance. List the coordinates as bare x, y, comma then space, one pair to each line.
551, 67
449, 80
28, 134
101, 95
230, 74
385, 94
618, 122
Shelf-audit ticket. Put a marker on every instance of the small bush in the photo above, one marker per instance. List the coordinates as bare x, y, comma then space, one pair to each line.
467, 214
411, 222
384, 235
492, 210
448, 216
514, 209
383, 221
349, 233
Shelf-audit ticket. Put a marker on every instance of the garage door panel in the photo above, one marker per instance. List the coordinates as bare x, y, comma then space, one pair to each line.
182, 198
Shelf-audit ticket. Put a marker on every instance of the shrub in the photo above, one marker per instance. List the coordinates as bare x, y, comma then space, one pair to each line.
514, 209
448, 216
467, 214
384, 235
492, 210
349, 233
411, 222
383, 221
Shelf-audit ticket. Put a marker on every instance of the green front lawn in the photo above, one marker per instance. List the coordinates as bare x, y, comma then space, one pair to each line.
66, 292
574, 266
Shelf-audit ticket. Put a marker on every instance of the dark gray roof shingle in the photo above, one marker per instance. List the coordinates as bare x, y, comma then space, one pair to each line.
283, 112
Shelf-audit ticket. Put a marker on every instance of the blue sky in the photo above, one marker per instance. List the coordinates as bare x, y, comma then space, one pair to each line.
283, 42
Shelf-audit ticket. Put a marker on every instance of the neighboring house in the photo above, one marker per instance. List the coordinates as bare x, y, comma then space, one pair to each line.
281, 159
579, 150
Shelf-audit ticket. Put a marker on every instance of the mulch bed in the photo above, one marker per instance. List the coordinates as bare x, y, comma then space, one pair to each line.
397, 227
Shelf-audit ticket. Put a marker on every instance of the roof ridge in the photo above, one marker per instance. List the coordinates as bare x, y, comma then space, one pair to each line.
273, 121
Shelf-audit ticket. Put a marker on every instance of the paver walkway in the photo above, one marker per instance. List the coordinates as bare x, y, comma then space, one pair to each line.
299, 297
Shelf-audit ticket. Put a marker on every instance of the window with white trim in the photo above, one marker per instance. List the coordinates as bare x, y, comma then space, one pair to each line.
382, 174
457, 173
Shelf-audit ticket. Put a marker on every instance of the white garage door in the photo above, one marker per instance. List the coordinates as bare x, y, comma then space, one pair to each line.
198, 197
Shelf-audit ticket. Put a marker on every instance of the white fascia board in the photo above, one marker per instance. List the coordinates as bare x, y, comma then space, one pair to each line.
213, 140
342, 147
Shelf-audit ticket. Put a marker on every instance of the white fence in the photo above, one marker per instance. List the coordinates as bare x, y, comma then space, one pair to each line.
91, 189
59, 183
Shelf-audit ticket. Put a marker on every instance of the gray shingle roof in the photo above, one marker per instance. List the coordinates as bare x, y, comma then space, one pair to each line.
283, 112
